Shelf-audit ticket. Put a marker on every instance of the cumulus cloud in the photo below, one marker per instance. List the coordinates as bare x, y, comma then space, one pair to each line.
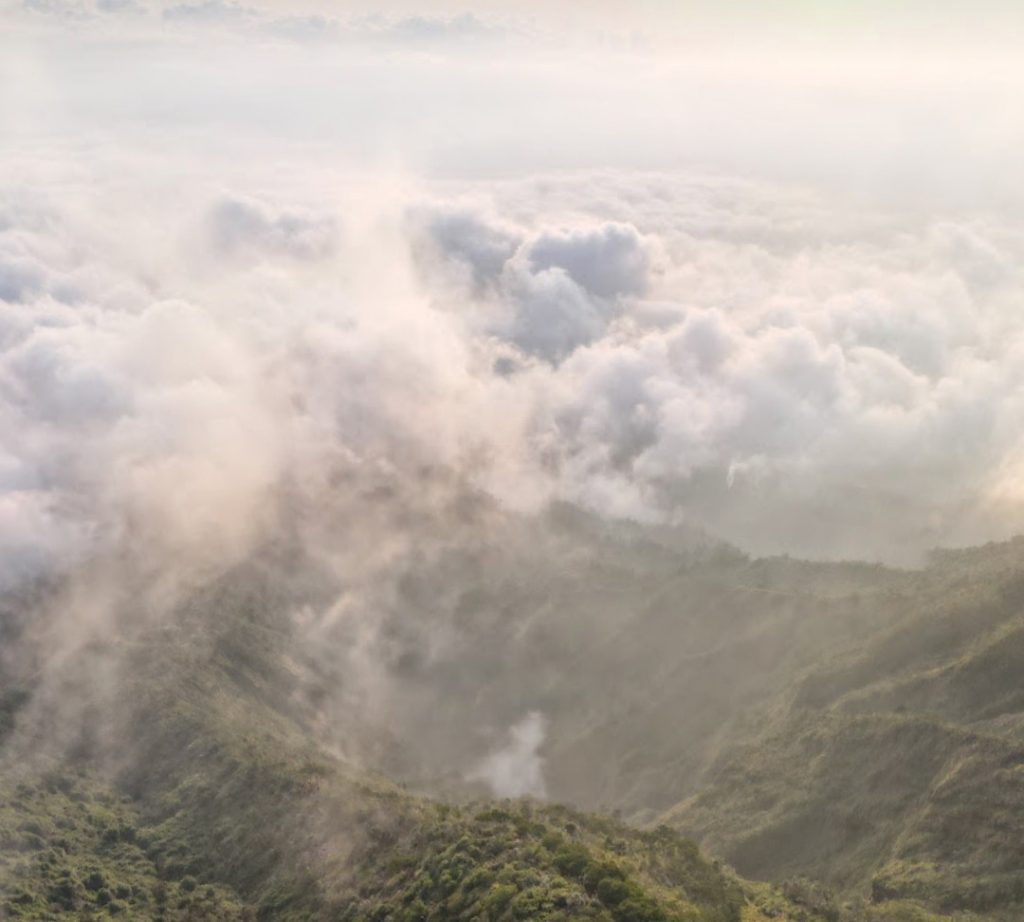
788, 367
238, 226
566, 288
784, 390
839, 390
607, 261
551, 314
549, 292
472, 247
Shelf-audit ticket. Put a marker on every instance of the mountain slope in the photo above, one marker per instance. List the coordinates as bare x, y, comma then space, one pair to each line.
841, 722
895, 768
222, 805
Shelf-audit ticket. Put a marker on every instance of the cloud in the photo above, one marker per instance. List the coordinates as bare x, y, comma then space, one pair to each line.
418, 33
238, 226
209, 11
551, 314
313, 28
550, 292
35, 538
429, 30
173, 399
19, 278
472, 247
517, 768
62, 9
608, 261
800, 389
771, 390
566, 288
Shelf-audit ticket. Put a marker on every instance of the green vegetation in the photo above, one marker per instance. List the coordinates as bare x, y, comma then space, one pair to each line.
526, 862
895, 768
853, 734
224, 807
72, 847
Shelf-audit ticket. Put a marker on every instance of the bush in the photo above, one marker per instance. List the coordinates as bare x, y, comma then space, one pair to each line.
95, 881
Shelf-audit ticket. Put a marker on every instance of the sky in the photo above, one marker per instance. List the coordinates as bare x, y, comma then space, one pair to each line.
751, 267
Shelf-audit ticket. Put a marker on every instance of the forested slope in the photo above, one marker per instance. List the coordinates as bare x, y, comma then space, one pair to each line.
843, 723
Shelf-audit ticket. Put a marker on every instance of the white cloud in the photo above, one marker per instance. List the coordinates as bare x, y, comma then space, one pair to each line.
607, 261
678, 365
213, 270
816, 388
216, 11
517, 768
238, 225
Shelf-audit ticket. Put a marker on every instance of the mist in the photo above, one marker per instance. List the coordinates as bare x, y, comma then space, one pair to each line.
453, 343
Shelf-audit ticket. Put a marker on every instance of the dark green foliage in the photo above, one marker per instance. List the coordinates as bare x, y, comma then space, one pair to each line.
530, 862
85, 871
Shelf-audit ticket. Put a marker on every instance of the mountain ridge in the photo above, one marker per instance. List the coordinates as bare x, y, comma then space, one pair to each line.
216, 722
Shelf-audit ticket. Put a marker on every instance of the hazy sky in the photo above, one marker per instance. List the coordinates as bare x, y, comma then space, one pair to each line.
755, 266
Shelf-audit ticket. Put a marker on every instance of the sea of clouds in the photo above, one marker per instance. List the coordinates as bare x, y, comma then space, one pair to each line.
237, 260
733, 355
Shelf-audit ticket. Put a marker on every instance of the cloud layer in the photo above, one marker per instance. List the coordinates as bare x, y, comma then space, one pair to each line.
736, 356
247, 265
793, 376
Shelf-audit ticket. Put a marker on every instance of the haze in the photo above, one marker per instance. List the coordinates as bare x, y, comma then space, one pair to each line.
404, 405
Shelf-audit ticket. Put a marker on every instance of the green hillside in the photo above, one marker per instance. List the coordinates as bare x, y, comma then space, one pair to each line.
848, 732
895, 768
220, 805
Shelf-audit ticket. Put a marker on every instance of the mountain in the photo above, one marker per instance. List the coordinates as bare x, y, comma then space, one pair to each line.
898, 765
201, 793
268, 744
